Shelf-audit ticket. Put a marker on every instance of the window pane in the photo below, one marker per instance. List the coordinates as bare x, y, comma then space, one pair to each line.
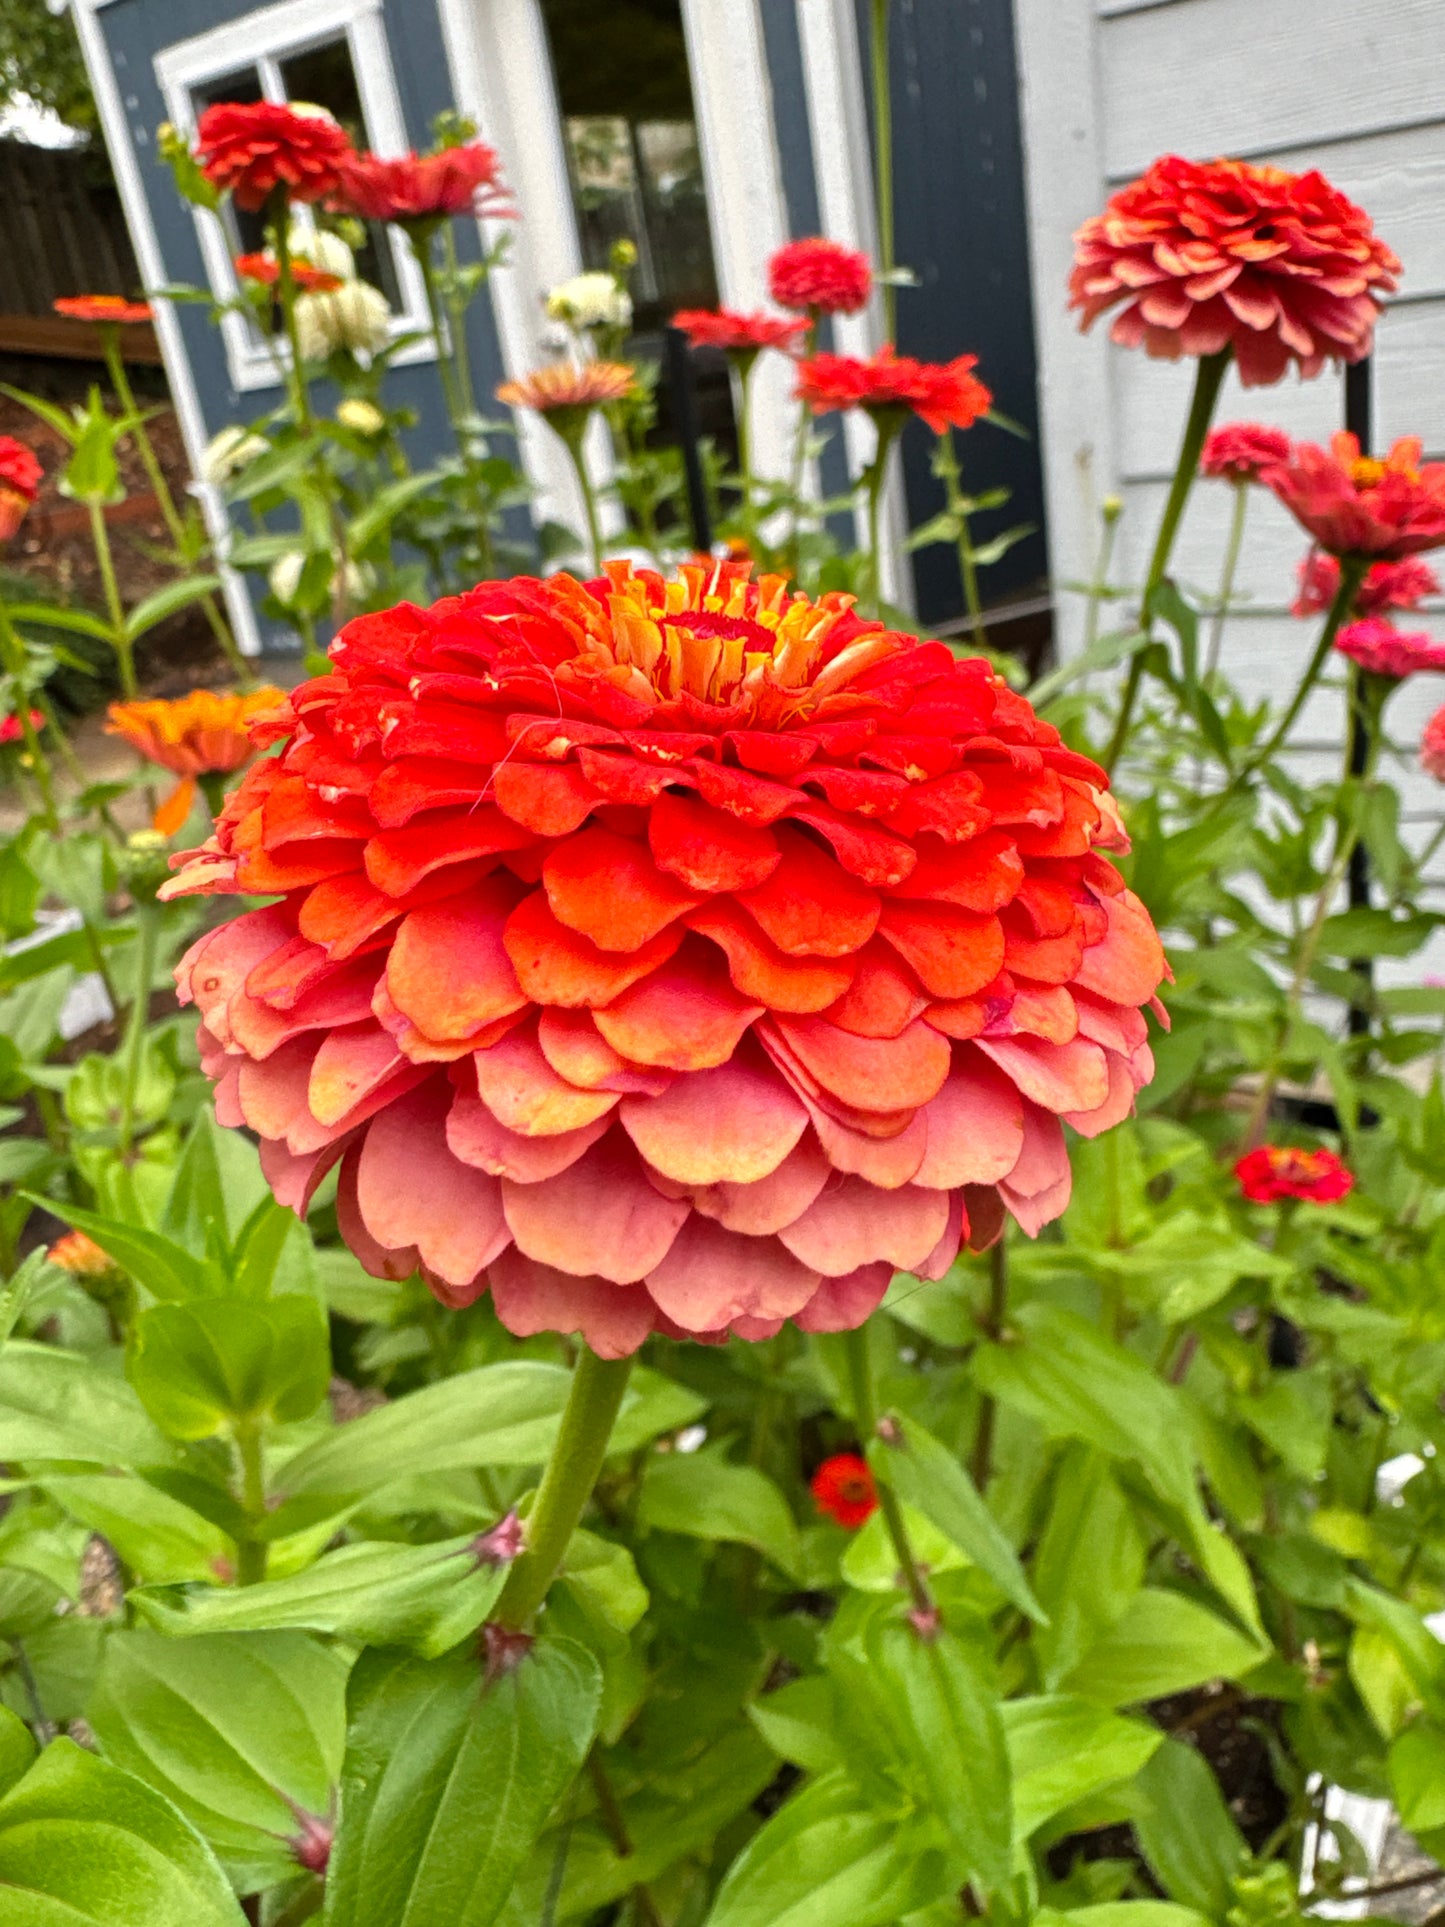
323, 76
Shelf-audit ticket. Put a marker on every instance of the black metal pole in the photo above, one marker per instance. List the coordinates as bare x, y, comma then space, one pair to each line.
1359, 420
684, 422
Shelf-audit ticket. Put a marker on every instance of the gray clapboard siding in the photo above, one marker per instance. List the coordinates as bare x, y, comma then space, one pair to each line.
1248, 77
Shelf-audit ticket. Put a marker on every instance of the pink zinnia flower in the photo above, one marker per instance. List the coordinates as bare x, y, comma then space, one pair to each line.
424, 187
815, 276
1275, 1171
1354, 504
1237, 451
741, 334
1432, 747
1387, 585
1382, 649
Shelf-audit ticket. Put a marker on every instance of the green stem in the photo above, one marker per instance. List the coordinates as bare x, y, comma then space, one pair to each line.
744, 365
1207, 382
286, 293
1226, 577
446, 366
799, 461
17, 664
147, 934
120, 641
883, 140
1100, 581
865, 1414
967, 564
457, 310
572, 440
251, 1552
598, 1385
993, 1325
873, 480
1352, 574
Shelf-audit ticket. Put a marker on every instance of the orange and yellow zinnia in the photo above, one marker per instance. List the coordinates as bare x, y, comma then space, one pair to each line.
203, 734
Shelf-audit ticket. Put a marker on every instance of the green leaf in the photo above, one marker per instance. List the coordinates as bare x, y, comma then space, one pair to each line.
1063, 1749
58, 1405
238, 1731
168, 601
1186, 1832
1162, 1643
49, 616
381, 511
1417, 1776
824, 1860
17, 1749
449, 1780
1102, 654
704, 1496
222, 1362
797, 1721
1121, 1913
1375, 933
373, 1594
926, 1475
82, 1844
1090, 1561
157, 1537
165, 1268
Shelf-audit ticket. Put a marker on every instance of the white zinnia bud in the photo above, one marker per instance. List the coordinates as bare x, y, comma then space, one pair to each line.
228, 452
320, 248
361, 416
594, 300
354, 316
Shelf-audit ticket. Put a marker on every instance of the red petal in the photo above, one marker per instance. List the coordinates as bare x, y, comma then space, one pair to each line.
735, 1123
711, 1276
749, 798
883, 998
810, 906
608, 888
865, 852
557, 966
417, 783
598, 1218
706, 849
622, 779
685, 1016
953, 952
869, 1073
759, 969
552, 799
397, 860
982, 874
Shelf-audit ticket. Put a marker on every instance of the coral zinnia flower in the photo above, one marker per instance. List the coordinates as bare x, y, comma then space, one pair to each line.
815, 276
254, 147
101, 307
741, 334
675, 955
843, 1488
12, 730
80, 1256
1353, 504
1275, 1171
20, 475
266, 271
1387, 585
566, 385
1237, 451
424, 187
1379, 647
203, 734
1432, 747
944, 394
1209, 255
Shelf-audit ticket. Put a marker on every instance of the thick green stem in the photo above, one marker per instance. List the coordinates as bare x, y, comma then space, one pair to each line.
457, 310
446, 366
251, 1551
873, 479
744, 365
147, 937
1098, 586
1226, 577
967, 562
1352, 574
883, 162
115, 609
1207, 381
865, 1414
993, 1326
598, 1385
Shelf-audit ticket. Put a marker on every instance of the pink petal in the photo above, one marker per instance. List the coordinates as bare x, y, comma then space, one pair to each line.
305, 1134
940, 1259
732, 1124
349, 1066
344, 998
711, 1276
293, 1180
854, 1223
772, 1202
217, 966
271, 1094
578, 1052
375, 1258
522, 1090
975, 1126
612, 1320
600, 1217
476, 1137
842, 1304
1037, 1190
884, 1161
1060, 1077
227, 1094
986, 1215
412, 1191
1117, 1104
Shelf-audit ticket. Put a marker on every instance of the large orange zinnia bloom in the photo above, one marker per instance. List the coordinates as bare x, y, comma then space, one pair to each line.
667, 955
1207, 255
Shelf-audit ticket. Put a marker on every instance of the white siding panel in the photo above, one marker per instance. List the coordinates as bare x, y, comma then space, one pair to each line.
1251, 76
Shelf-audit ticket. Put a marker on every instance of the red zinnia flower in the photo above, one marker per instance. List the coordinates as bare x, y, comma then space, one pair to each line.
1275, 1171
20, 475
1237, 451
254, 147
1353, 504
944, 394
820, 277
667, 955
1387, 585
742, 334
1209, 255
13, 731
101, 307
1432, 747
843, 1488
1379, 647
266, 270
424, 187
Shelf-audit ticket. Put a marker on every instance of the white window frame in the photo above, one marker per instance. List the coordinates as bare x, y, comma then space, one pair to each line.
261, 40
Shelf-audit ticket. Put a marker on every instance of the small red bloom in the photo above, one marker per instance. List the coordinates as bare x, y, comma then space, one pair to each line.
254, 147
424, 187
12, 731
1208, 255
944, 394
1237, 451
1379, 647
1275, 1171
843, 1488
820, 277
266, 271
101, 307
20, 475
1353, 504
1387, 585
1432, 747
742, 334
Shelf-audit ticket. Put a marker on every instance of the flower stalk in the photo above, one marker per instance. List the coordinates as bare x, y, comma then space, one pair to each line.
865, 1413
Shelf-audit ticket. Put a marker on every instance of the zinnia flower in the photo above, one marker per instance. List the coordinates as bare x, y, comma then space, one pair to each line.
1432, 747
843, 1488
667, 955
102, 308
354, 316
265, 269
253, 147
735, 333
1353, 504
203, 734
1379, 647
592, 300
230, 450
1275, 1171
1237, 451
20, 476
80, 1256
1208, 255
569, 390
944, 394
423, 188
816, 277
12, 730
1387, 585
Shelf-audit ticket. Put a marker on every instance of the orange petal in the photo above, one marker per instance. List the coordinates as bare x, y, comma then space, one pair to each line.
983, 874
735, 1122
557, 966
598, 1218
173, 810
884, 997
759, 969
551, 798
810, 906
769, 1203
218, 964
1128, 966
863, 850
448, 970
870, 1073
855, 1223
477, 1138
706, 849
348, 1067
452, 1214
578, 1052
397, 860
608, 888
344, 997
975, 1126
953, 952
884, 1161
416, 783
522, 1090
685, 1016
